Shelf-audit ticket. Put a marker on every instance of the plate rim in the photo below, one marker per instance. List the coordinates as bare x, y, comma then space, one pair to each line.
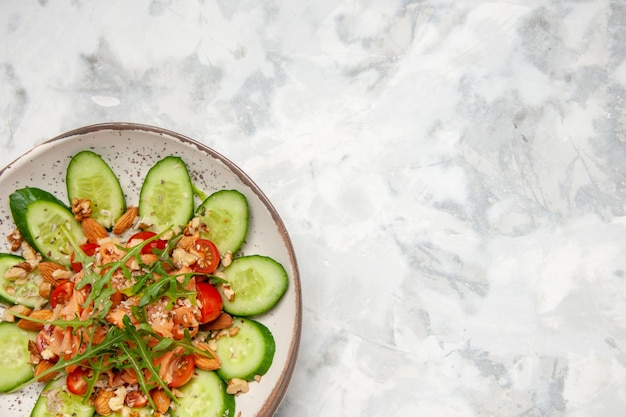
279, 391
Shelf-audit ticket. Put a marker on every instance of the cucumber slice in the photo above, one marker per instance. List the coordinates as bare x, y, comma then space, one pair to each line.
166, 198
89, 176
258, 282
205, 395
225, 213
46, 223
21, 291
15, 367
56, 401
248, 353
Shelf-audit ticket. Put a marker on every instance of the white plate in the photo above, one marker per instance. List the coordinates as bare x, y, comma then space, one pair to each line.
130, 150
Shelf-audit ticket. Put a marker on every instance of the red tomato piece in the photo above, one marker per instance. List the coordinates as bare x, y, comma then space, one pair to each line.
175, 370
89, 249
62, 293
76, 266
76, 381
145, 235
209, 301
208, 256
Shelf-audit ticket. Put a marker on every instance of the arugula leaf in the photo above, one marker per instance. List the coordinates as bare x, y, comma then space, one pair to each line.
141, 358
101, 288
167, 286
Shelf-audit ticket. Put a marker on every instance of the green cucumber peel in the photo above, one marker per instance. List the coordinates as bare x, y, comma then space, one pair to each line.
20, 199
198, 192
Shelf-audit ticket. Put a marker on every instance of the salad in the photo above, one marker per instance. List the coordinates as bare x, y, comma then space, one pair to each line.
134, 310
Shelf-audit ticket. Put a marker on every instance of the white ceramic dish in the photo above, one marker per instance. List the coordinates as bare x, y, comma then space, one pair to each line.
130, 150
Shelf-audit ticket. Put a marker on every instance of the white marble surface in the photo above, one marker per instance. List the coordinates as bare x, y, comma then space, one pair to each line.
452, 173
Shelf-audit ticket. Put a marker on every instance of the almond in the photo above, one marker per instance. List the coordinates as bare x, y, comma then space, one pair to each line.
93, 230
34, 325
46, 270
35, 355
204, 362
41, 367
161, 400
18, 309
126, 220
101, 403
223, 321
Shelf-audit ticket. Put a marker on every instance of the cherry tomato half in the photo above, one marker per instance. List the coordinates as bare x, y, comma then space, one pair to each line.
62, 293
89, 249
76, 381
175, 370
208, 256
209, 301
145, 235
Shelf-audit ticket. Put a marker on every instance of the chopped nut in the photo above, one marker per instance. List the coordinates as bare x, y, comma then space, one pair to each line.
81, 208
228, 292
192, 227
182, 258
227, 259
221, 333
117, 401
186, 242
236, 386
25, 266
213, 344
31, 256
18, 309
15, 272
45, 289
62, 274
219, 274
234, 331
15, 239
